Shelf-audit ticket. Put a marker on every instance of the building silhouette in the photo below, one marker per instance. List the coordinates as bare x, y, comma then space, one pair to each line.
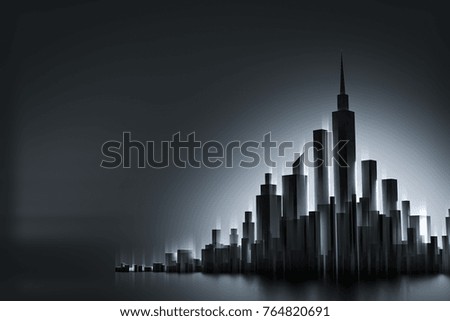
345, 155
343, 237
321, 184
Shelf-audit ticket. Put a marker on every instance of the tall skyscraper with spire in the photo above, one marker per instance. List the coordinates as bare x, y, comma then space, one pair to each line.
344, 148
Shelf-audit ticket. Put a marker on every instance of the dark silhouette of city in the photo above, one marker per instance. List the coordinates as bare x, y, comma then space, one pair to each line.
343, 238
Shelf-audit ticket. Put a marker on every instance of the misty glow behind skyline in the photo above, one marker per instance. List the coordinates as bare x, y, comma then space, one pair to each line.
389, 152
226, 77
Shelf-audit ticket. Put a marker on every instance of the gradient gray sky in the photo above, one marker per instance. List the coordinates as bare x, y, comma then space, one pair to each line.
81, 74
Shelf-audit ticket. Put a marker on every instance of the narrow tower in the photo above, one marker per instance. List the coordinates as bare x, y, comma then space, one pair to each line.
268, 214
344, 145
321, 148
369, 182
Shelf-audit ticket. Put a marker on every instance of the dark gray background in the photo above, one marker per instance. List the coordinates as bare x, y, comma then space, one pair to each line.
77, 74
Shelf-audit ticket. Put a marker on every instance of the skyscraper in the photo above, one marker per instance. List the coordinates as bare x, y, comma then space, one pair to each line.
248, 227
268, 212
369, 182
344, 145
298, 169
321, 186
216, 238
406, 212
389, 190
185, 261
295, 192
234, 237
248, 238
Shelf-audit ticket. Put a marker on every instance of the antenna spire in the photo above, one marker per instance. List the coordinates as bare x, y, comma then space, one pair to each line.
342, 97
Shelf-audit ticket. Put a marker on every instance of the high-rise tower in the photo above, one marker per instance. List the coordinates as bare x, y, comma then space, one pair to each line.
268, 212
344, 145
389, 190
369, 182
321, 148
295, 202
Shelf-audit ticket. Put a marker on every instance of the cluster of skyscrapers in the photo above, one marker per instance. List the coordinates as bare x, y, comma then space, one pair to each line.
344, 236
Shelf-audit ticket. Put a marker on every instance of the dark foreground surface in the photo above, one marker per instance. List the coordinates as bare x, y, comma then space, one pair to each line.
198, 286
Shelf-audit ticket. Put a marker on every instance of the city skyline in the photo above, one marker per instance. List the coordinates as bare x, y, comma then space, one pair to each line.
343, 236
